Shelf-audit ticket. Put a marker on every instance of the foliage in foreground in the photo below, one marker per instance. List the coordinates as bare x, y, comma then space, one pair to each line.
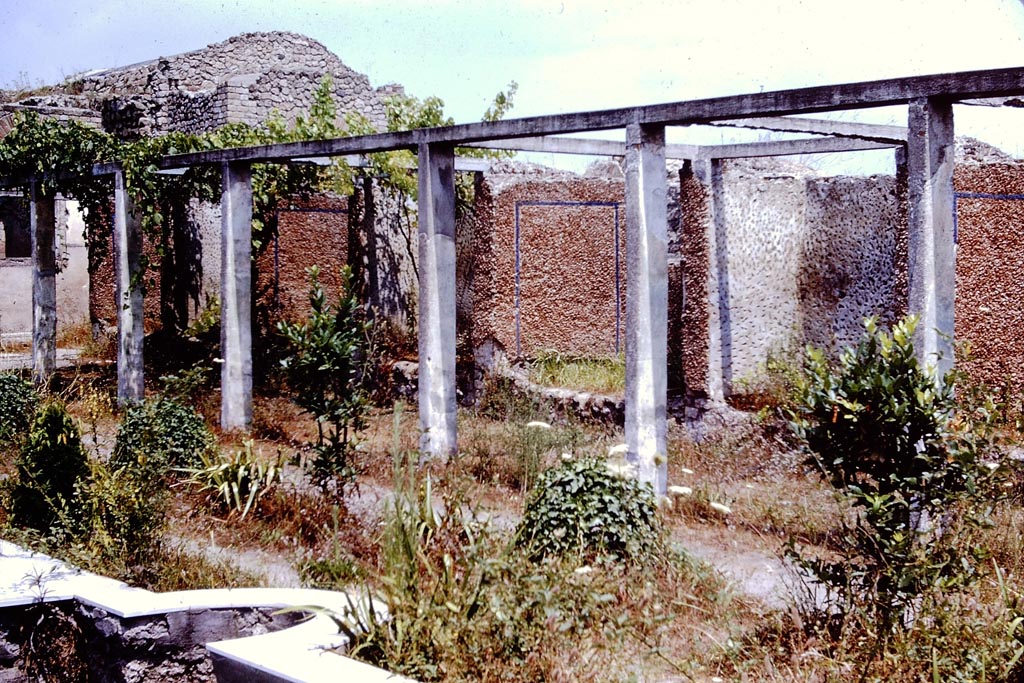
465, 604
907, 464
325, 368
51, 467
18, 400
158, 435
237, 481
582, 510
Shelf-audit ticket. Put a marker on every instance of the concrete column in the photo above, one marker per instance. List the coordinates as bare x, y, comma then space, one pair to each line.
931, 252
127, 253
43, 227
437, 405
236, 297
646, 302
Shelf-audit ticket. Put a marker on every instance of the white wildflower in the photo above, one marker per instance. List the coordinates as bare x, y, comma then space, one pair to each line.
537, 424
680, 490
687, 470
583, 570
622, 470
566, 457
718, 507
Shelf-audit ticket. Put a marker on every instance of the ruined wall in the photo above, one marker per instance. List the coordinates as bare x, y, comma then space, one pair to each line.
314, 232
792, 258
989, 269
240, 80
551, 276
87, 643
16, 272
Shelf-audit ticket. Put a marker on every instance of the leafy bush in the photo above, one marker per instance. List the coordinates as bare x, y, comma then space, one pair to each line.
465, 605
160, 434
51, 466
123, 516
325, 370
891, 443
237, 481
17, 404
583, 509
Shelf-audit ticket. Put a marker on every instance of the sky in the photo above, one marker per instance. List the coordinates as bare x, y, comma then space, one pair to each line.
566, 55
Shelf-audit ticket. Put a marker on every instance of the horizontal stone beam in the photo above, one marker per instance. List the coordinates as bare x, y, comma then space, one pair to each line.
970, 85
612, 148
966, 85
781, 148
842, 129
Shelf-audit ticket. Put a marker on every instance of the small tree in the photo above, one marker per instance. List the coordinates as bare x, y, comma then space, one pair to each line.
52, 466
325, 368
891, 443
17, 404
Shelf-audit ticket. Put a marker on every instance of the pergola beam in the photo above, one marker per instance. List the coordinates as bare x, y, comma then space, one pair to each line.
898, 91
841, 129
612, 148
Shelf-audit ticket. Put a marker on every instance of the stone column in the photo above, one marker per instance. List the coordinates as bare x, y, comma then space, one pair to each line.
437, 405
715, 279
646, 302
931, 252
43, 227
236, 297
127, 253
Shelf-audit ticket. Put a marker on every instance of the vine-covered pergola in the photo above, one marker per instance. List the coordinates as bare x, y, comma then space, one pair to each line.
924, 151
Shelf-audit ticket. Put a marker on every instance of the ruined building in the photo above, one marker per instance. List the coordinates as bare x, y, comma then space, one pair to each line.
765, 256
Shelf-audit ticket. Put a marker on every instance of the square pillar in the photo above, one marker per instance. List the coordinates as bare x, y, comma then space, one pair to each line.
236, 297
437, 404
931, 252
646, 302
707, 328
127, 270
42, 227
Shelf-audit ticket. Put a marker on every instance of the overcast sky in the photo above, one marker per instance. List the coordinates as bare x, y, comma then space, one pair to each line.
566, 55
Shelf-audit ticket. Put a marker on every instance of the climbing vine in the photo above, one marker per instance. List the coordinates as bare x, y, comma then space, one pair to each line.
60, 155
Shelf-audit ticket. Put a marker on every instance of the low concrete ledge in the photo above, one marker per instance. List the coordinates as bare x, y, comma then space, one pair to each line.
300, 654
122, 616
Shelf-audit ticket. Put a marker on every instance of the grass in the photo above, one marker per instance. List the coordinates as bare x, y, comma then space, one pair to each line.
581, 373
674, 618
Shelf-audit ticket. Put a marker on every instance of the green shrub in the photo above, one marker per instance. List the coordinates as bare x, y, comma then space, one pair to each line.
157, 435
18, 400
52, 466
907, 465
238, 480
325, 368
583, 509
123, 516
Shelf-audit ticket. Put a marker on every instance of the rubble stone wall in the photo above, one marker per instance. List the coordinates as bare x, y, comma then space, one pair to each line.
550, 275
795, 259
241, 80
989, 269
